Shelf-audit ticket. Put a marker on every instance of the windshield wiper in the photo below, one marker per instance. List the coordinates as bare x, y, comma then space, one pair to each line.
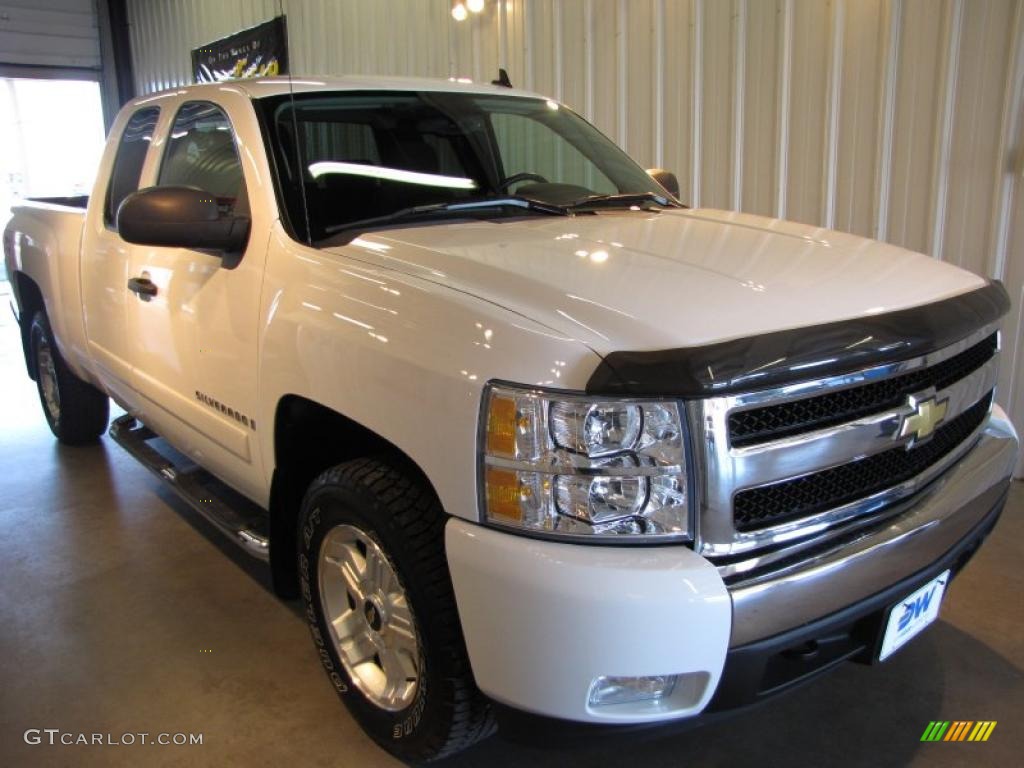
426, 212
514, 201
594, 202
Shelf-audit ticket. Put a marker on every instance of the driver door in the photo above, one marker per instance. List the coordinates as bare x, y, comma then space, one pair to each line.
195, 341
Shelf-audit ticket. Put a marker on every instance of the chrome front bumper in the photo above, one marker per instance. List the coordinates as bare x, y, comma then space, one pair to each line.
919, 533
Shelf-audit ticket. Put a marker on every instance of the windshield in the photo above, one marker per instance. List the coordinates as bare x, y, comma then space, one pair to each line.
355, 156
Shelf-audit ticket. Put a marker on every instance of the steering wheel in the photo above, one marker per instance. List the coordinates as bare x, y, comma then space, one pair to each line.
517, 177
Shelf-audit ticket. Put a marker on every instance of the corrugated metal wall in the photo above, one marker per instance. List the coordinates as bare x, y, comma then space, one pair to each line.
49, 33
896, 119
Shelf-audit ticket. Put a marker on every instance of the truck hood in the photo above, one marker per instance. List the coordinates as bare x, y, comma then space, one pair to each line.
631, 280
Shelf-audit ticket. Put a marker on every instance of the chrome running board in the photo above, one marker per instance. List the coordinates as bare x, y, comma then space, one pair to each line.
244, 522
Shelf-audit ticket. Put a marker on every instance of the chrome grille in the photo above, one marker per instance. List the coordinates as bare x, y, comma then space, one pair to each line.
832, 458
806, 495
760, 425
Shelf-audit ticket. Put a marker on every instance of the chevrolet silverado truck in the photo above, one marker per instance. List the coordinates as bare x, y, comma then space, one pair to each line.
534, 442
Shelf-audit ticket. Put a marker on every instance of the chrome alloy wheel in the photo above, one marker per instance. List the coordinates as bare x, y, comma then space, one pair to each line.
47, 372
368, 614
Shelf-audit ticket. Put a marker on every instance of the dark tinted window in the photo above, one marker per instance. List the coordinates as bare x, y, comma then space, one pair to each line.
527, 145
131, 154
353, 156
201, 153
353, 142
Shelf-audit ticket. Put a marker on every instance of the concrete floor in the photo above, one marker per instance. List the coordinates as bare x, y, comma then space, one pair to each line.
121, 611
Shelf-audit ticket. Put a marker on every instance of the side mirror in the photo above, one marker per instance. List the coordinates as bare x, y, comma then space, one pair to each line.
667, 179
182, 217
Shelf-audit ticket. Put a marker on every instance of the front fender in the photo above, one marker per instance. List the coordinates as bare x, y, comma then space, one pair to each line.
402, 356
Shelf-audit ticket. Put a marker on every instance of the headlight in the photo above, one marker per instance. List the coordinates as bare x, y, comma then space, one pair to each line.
579, 466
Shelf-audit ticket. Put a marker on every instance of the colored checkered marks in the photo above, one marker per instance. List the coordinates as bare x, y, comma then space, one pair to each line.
958, 730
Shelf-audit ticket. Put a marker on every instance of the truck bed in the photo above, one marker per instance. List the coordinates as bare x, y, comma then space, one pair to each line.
74, 201
42, 241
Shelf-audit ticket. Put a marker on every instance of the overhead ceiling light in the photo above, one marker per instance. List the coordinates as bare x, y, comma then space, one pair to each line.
475, 5
459, 12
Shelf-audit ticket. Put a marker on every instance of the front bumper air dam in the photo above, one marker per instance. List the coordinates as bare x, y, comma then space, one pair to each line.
755, 673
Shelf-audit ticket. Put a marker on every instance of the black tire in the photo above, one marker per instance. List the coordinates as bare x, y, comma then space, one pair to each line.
404, 518
81, 412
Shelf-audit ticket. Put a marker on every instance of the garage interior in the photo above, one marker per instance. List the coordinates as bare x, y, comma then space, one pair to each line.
901, 120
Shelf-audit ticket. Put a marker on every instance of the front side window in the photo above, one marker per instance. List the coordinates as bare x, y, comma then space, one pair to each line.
201, 153
343, 159
131, 154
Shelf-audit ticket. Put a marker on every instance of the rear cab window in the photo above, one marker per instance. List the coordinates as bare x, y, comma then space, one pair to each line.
128, 162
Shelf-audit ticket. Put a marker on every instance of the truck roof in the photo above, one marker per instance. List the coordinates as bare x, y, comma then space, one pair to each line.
262, 87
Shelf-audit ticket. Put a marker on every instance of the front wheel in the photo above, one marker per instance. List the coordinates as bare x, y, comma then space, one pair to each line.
76, 411
381, 609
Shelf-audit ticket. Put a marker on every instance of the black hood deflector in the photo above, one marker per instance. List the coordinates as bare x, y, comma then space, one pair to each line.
786, 357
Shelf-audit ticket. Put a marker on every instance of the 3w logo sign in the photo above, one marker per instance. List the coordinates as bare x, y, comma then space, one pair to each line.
914, 609
958, 730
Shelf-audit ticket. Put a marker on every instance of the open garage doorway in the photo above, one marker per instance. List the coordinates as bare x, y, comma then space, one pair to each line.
51, 139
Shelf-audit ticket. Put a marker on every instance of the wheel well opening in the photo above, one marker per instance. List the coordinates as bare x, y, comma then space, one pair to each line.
308, 439
30, 301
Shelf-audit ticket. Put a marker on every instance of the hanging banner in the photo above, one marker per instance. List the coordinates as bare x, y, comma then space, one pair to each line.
260, 51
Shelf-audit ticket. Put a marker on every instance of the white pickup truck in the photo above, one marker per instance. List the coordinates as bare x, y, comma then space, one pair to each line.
534, 442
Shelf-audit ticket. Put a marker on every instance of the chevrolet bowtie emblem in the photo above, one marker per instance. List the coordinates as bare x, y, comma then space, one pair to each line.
927, 414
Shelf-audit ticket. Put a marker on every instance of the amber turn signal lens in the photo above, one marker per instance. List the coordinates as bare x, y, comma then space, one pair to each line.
501, 427
503, 494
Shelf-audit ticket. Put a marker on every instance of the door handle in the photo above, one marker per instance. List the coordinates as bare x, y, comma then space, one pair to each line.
143, 286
